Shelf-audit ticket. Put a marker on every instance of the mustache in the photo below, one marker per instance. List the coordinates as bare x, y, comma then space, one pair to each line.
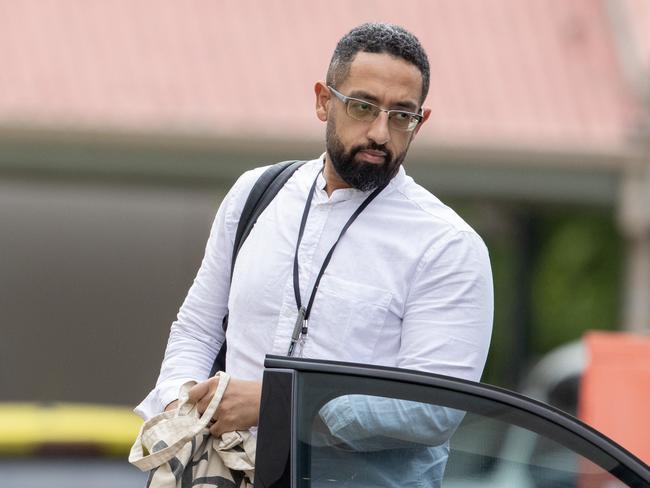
374, 147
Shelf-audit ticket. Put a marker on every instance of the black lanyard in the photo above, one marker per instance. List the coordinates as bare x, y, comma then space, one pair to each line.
300, 329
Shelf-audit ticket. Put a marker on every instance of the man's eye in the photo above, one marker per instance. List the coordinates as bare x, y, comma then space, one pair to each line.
403, 116
364, 107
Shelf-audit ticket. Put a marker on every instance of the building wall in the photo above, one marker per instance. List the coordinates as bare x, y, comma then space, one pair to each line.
91, 277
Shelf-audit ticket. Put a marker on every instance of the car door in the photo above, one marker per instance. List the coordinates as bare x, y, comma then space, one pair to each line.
331, 424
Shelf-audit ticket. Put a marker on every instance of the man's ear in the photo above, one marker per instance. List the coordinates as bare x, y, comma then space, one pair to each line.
323, 97
426, 113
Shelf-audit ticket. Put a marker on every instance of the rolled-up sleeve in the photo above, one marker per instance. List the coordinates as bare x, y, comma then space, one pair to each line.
448, 314
196, 335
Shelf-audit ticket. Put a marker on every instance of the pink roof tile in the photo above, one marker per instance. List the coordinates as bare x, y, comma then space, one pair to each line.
503, 72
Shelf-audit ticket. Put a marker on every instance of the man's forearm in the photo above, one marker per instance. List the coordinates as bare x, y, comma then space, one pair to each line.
367, 423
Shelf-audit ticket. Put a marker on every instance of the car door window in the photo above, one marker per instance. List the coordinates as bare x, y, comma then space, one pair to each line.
366, 440
361, 431
524, 458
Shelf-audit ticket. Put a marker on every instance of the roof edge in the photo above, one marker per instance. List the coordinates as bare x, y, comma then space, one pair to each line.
204, 159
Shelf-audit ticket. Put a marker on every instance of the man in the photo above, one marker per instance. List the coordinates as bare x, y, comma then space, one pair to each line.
408, 283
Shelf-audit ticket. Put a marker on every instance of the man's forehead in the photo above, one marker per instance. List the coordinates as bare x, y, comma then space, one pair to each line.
383, 77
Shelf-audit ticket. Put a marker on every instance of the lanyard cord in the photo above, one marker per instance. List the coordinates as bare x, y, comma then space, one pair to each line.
303, 313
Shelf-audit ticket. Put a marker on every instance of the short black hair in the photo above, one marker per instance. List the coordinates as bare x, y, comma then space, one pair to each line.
378, 38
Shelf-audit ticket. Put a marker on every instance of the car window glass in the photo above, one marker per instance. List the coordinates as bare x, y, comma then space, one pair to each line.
363, 440
414, 436
524, 459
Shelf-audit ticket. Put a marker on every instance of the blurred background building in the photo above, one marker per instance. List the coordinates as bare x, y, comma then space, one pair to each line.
123, 124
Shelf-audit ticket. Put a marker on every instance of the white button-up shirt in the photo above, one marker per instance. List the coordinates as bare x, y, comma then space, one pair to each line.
409, 285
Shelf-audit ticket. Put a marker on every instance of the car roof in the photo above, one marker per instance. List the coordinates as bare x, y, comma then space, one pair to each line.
564, 362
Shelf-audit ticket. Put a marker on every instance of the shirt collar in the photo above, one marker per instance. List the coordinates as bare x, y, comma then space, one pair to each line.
344, 194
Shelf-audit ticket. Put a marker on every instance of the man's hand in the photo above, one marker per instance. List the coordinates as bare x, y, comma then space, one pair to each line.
239, 408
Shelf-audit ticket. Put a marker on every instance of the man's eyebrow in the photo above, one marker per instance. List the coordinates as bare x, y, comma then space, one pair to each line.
405, 105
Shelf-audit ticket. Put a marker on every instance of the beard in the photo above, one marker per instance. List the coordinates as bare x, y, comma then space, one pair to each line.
360, 175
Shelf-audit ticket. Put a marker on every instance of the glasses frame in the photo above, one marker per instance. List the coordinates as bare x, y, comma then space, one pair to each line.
346, 100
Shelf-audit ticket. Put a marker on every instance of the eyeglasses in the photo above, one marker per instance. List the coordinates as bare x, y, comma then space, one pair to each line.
367, 112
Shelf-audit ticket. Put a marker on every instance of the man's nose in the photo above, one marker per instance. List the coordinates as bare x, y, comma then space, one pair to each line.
379, 131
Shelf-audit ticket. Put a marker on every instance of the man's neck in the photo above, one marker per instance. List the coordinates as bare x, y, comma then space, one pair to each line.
332, 179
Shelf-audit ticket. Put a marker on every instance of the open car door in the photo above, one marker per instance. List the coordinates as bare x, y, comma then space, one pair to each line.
331, 424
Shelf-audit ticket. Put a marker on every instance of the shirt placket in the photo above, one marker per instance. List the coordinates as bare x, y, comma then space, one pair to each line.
308, 269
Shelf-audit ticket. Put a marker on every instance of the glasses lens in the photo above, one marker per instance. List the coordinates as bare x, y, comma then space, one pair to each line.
403, 121
360, 110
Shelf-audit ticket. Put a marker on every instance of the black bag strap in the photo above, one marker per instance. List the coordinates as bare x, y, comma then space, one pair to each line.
263, 192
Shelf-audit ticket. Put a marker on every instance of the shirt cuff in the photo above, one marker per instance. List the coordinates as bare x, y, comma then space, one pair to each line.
161, 396
337, 415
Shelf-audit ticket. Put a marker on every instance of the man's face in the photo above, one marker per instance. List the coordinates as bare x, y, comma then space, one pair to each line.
368, 154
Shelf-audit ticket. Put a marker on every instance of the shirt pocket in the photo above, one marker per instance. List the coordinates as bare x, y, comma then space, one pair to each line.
347, 320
